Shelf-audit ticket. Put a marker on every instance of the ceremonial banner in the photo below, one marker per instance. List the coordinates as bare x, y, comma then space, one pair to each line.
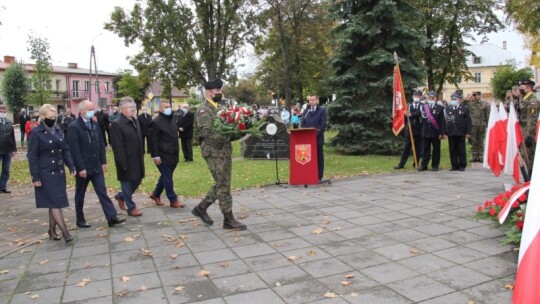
399, 103
494, 137
513, 140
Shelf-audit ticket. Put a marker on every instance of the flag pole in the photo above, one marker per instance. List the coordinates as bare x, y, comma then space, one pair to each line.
396, 58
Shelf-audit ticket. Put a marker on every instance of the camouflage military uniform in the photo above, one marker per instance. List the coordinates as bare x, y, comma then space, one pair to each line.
216, 149
527, 121
479, 114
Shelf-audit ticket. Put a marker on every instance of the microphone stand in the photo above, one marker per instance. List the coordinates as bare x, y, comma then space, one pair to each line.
278, 182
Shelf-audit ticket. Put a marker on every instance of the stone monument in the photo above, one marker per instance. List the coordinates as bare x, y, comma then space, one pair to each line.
266, 146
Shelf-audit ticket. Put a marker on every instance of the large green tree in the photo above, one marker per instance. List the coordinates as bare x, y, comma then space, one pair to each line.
42, 75
185, 42
15, 87
446, 25
507, 76
131, 85
526, 16
368, 34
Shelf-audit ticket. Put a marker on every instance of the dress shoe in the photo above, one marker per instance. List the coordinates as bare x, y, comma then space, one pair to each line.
398, 167
5, 191
53, 236
67, 237
422, 169
230, 223
434, 169
200, 211
135, 212
177, 204
115, 221
83, 225
121, 203
156, 200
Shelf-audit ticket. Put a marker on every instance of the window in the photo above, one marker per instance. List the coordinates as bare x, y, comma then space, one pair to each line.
477, 60
478, 77
75, 89
107, 86
58, 84
97, 86
87, 85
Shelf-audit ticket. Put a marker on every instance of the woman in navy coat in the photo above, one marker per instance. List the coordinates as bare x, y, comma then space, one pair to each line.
47, 155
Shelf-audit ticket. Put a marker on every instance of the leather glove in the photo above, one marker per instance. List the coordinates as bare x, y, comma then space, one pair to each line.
529, 141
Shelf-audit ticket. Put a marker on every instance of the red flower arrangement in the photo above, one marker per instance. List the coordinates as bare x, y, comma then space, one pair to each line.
238, 121
491, 209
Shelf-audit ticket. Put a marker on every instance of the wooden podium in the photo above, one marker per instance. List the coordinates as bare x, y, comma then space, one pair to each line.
303, 157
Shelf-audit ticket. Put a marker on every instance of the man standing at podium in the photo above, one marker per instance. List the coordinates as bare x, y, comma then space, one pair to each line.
314, 116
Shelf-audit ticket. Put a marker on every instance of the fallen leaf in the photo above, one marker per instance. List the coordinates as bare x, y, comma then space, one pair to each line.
509, 286
122, 293
101, 235
471, 302
146, 252
128, 239
203, 273
43, 262
238, 239
176, 267
354, 294
124, 278
180, 244
349, 276
329, 295
183, 237
25, 251
4, 271
345, 283
414, 251
83, 282
100, 228
293, 258
33, 297
87, 265
225, 264
311, 253
277, 245
173, 256
179, 288
278, 284
318, 231
326, 222
143, 288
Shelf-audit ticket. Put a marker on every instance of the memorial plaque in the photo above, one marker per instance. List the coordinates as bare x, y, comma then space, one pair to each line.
267, 146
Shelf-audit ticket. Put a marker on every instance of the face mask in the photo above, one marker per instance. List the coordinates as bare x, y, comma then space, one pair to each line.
522, 92
431, 102
89, 114
453, 102
49, 122
416, 99
3, 115
217, 97
184, 110
167, 111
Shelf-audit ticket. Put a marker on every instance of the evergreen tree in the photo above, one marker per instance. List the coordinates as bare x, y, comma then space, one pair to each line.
15, 87
368, 34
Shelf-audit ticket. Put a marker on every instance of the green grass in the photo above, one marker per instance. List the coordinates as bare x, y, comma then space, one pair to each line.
193, 179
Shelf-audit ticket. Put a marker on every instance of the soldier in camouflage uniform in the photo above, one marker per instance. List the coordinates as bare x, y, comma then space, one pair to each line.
479, 114
216, 149
527, 120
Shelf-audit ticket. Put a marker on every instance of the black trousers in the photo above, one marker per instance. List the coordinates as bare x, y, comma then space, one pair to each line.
320, 161
98, 181
407, 149
145, 143
103, 133
458, 155
187, 148
427, 143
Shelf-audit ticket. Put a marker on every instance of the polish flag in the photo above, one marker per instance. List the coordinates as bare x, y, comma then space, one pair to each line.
526, 289
504, 121
399, 104
495, 135
513, 140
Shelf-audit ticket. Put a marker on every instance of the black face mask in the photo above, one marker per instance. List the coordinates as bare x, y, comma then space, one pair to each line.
217, 97
522, 92
49, 122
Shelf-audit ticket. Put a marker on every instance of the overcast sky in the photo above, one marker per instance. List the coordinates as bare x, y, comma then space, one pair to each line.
71, 26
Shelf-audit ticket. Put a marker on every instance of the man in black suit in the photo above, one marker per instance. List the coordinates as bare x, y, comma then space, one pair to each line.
144, 122
314, 116
23, 118
413, 115
126, 141
88, 152
185, 127
433, 129
104, 124
458, 127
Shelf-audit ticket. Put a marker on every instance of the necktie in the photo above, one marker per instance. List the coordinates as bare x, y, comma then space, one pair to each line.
312, 109
89, 124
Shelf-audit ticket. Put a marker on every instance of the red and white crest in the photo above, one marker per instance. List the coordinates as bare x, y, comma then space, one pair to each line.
302, 154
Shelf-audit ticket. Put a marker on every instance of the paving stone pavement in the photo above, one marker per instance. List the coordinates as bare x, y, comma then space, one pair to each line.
391, 238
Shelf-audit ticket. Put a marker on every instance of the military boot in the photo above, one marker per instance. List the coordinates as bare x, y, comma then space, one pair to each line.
200, 211
229, 222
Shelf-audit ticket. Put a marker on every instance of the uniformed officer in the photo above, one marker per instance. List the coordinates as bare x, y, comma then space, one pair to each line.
216, 149
458, 126
527, 120
516, 98
479, 114
412, 114
433, 129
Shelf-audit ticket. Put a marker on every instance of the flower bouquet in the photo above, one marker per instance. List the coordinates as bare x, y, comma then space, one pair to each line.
516, 215
236, 122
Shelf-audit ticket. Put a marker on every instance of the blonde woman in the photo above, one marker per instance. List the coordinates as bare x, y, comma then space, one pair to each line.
47, 155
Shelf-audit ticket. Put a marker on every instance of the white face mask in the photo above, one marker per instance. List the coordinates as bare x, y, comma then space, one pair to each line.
3, 115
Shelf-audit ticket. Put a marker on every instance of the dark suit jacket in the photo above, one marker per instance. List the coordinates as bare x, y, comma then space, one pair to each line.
186, 122
416, 120
22, 120
103, 120
163, 139
86, 146
315, 119
144, 122
458, 120
428, 128
127, 146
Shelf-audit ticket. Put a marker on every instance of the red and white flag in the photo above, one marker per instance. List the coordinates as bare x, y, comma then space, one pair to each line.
526, 289
399, 103
504, 121
513, 140
495, 135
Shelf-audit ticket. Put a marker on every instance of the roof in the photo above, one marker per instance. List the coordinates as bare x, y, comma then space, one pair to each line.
59, 69
156, 88
490, 55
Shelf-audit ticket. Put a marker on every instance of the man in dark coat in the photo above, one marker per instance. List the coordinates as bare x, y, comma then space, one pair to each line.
64, 121
185, 127
314, 116
458, 126
413, 115
8, 147
144, 122
88, 153
164, 150
104, 125
128, 155
23, 118
433, 128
